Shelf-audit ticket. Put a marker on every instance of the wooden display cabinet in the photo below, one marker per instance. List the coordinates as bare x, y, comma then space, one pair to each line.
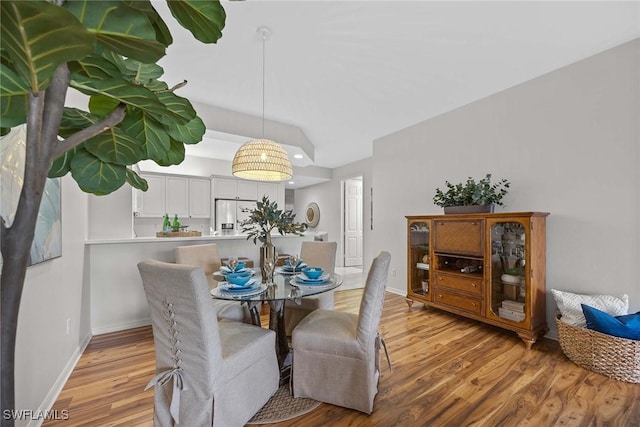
488, 267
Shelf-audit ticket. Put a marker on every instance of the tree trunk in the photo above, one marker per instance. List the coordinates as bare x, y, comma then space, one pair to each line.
43, 122
16, 244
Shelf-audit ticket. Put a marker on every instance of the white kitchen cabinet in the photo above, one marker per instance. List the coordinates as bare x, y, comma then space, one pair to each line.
199, 198
240, 189
150, 203
224, 188
273, 190
230, 188
177, 201
173, 195
247, 190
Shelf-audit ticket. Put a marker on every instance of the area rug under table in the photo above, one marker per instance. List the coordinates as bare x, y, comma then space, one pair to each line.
282, 407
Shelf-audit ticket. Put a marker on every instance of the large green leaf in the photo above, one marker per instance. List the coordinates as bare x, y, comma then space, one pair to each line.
132, 70
112, 145
115, 146
191, 133
205, 19
163, 35
114, 58
102, 106
62, 164
94, 175
119, 27
148, 132
121, 90
174, 156
178, 109
136, 181
156, 86
139, 73
74, 119
95, 67
13, 98
38, 36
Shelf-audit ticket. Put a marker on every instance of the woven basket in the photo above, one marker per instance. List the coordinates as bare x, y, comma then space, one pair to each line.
617, 358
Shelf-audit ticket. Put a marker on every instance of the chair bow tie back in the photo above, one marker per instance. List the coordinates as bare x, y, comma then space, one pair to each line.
177, 375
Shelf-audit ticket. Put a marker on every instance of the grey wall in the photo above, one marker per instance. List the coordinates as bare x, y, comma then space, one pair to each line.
568, 142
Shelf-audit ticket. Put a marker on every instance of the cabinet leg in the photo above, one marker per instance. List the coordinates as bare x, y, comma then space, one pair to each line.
409, 302
528, 341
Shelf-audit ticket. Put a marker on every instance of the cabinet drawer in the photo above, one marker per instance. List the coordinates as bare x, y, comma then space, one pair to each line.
466, 284
459, 236
464, 303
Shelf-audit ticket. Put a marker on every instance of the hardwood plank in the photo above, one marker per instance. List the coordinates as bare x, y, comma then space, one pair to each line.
447, 371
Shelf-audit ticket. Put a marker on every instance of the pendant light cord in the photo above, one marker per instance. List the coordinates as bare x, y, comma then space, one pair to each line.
264, 47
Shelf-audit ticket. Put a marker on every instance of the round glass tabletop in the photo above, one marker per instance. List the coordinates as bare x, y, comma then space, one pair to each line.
285, 286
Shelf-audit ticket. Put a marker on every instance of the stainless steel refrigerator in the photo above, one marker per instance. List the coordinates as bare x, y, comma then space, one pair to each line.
229, 215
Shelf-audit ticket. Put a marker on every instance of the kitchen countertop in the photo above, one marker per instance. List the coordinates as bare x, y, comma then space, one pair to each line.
124, 240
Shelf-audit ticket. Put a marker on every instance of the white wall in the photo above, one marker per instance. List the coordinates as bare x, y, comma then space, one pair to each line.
328, 196
111, 215
53, 293
568, 142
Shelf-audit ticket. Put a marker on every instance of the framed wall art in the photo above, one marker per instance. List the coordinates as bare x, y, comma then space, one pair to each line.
47, 242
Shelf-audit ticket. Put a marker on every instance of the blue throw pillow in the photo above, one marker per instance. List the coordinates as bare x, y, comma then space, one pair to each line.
626, 326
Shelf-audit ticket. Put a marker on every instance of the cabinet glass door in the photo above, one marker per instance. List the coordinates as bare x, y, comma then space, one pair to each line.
508, 293
419, 259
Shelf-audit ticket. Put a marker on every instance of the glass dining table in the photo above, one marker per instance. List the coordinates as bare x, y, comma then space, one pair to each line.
275, 294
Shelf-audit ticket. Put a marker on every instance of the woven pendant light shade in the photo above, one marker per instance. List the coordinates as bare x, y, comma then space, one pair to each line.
262, 160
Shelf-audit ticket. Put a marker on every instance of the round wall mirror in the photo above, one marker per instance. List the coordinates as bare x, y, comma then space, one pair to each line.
313, 215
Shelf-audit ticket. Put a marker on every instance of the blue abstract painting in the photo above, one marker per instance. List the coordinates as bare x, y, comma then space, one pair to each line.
47, 242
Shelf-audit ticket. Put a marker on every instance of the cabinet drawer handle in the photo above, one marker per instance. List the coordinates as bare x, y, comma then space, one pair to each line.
473, 284
439, 295
473, 304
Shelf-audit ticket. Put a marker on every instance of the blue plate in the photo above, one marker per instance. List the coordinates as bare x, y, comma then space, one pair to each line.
230, 287
301, 278
226, 270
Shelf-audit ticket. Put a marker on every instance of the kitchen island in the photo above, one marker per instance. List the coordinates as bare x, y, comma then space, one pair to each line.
117, 299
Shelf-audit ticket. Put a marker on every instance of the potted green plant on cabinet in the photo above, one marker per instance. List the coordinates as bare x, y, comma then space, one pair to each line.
265, 218
471, 196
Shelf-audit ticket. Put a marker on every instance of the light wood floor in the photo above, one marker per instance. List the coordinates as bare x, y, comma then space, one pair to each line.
447, 371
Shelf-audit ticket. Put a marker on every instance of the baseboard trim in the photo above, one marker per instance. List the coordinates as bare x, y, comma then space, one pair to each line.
402, 293
120, 326
58, 385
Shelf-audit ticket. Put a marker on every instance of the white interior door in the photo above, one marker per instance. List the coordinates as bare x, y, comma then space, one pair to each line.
353, 222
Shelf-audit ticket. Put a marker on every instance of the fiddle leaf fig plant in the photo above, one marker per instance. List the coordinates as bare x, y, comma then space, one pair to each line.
266, 217
472, 192
108, 51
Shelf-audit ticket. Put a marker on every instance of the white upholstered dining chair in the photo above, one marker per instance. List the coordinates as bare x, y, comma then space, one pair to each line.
336, 354
314, 254
206, 257
208, 372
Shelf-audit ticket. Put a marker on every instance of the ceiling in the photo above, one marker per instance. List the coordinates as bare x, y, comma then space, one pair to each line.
348, 72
